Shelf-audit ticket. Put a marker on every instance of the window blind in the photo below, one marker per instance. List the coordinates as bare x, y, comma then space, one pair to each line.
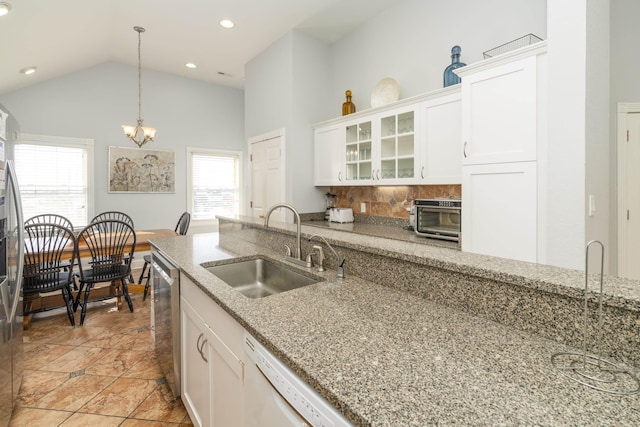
53, 179
215, 185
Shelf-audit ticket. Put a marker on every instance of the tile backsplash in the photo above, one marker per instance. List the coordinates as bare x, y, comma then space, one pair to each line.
390, 201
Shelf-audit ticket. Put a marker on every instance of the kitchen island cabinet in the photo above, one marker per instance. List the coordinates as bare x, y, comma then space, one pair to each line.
212, 373
447, 366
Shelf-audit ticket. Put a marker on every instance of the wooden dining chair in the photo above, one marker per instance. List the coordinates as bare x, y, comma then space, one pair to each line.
118, 216
107, 243
52, 219
181, 228
44, 270
115, 215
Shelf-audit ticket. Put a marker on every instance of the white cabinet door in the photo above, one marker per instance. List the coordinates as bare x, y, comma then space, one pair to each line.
440, 151
213, 365
499, 210
359, 152
499, 113
394, 144
197, 371
329, 160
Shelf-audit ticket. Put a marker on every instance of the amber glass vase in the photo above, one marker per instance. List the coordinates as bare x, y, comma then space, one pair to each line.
348, 107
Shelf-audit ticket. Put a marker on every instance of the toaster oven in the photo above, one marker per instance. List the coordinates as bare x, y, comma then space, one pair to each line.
438, 218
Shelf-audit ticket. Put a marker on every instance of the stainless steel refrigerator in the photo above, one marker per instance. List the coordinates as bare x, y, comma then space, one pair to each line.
11, 264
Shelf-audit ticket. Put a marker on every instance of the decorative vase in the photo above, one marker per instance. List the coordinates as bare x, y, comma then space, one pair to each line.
348, 107
450, 78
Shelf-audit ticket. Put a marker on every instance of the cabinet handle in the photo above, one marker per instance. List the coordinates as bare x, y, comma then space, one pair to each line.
204, 343
340, 176
422, 172
198, 343
378, 174
200, 347
464, 150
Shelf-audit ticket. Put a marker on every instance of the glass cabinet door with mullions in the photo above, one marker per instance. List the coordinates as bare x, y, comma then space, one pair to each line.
397, 153
358, 152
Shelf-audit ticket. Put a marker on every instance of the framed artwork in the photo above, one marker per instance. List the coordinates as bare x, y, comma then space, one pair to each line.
136, 170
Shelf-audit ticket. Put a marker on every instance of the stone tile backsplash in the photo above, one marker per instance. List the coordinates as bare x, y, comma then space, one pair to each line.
390, 201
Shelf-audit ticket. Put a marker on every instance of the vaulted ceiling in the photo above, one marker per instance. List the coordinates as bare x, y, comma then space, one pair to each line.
63, 36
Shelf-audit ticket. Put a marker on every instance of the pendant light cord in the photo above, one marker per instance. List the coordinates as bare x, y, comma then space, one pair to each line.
139, 30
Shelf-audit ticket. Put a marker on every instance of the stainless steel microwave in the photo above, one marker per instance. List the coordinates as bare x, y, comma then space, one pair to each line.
438, 218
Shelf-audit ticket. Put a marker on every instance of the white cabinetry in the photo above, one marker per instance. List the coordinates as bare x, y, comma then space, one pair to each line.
358, 152
396, 146
212, 360
440, 151
329, 155
499, 210
390, 145
503, 149
499, 113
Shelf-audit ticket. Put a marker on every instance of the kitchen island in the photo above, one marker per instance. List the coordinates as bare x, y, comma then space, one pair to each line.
385, 355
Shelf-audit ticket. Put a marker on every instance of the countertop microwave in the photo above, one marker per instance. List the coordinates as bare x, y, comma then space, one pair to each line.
437, 218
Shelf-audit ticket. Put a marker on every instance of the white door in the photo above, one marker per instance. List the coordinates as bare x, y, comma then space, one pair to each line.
266, 174
629, 217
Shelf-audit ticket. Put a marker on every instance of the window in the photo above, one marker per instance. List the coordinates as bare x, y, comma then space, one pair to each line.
55, 176
213, 183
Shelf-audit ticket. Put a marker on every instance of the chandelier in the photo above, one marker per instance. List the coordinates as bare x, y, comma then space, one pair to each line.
139, 134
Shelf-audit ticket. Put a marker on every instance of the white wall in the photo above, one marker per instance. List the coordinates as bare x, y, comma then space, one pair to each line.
93, 103
285, 87
597, 132
411, 42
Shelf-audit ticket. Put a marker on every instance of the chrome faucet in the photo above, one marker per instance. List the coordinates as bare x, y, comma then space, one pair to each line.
339, 264
298, 258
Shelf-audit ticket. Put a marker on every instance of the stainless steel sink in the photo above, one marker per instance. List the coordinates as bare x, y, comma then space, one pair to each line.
261, 277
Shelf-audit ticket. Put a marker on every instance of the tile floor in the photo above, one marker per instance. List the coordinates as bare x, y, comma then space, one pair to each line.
101, 374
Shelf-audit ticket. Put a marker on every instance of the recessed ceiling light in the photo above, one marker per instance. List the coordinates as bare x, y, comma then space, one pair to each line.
28, 70
4, 8
190, 65
227, 23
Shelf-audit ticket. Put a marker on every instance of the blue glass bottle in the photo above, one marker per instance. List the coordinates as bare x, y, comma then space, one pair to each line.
450, 78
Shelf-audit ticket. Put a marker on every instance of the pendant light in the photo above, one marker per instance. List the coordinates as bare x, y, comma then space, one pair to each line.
139, 134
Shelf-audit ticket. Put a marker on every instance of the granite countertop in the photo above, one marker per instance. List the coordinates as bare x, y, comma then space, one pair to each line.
562, 281
384, 357
386, 231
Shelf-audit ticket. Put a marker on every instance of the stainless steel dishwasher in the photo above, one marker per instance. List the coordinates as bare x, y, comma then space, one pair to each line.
165, 280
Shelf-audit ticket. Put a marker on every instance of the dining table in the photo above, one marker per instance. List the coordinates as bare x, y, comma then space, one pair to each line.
41, 302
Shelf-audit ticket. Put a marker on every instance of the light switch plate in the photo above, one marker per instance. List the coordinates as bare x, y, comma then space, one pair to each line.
363, 207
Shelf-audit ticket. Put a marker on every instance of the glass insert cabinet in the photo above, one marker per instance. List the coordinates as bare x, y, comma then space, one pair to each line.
358, 151
381, 149
416, 142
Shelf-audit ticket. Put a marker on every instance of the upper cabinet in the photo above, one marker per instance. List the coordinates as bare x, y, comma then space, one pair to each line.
328, 148
440, 151
499, 113
357, 152
397, 148
414, 141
